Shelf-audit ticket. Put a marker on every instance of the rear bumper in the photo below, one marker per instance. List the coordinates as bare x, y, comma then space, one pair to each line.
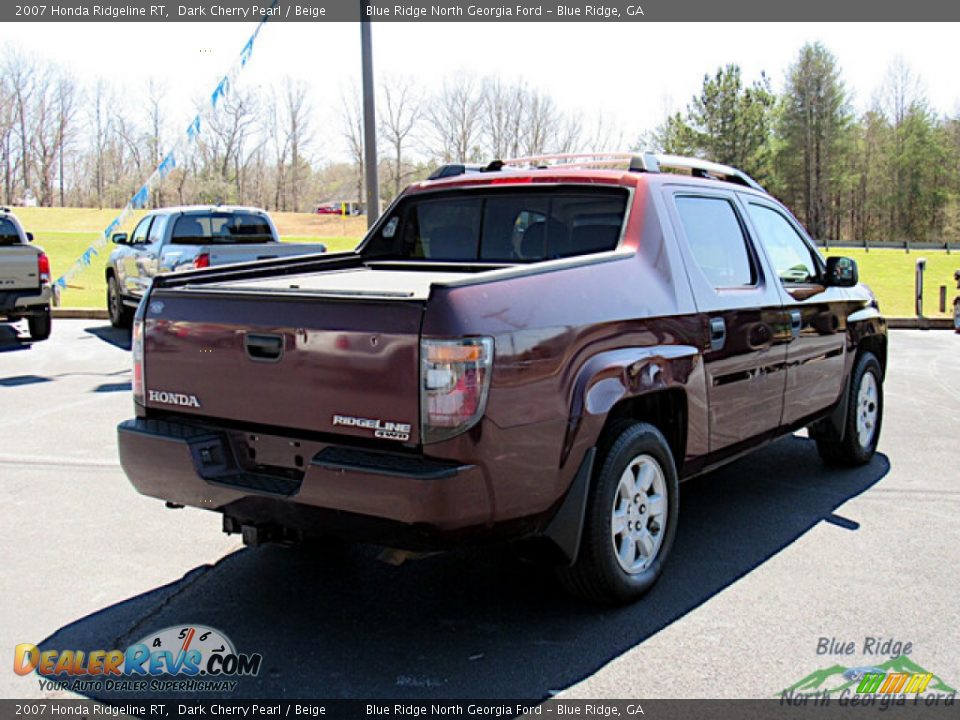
15, 301
314, 487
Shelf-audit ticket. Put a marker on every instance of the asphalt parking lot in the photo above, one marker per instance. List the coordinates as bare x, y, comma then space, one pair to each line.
773, 553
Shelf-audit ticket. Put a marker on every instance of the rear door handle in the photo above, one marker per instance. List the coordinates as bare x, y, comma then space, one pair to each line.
263, 348
796, 323
718, 333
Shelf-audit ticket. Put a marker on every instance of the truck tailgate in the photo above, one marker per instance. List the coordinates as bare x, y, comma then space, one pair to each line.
18, 268
344, 365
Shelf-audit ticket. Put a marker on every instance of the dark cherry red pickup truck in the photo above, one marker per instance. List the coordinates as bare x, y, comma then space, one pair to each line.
539, 349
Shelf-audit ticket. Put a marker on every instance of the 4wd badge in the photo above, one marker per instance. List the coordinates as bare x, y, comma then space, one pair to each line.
381, 428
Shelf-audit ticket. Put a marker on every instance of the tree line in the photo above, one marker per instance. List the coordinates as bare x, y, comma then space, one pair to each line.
890, 172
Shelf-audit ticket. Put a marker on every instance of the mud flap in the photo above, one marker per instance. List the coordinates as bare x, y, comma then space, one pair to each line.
566, 527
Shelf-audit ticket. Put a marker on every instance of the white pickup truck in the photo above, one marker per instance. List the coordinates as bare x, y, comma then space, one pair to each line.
25, 289
187, 238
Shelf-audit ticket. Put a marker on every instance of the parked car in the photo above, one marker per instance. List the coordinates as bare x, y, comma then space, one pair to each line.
185, 238
344, 207
25, 286
529, 351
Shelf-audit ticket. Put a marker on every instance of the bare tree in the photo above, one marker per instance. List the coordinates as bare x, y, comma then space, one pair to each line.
66, 96
224, 149
156, 92
43, 128
353, 133
400, 113
102, 126
298, 110
8, 114
454, 120
503, 113
280, 144
21, 71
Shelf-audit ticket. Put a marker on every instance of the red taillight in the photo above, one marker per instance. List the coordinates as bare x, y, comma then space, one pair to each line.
202, 261
43, 268
454, 384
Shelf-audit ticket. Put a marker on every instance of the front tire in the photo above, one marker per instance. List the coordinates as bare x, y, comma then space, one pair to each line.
864, 417
631, 517
120, 315
39, 325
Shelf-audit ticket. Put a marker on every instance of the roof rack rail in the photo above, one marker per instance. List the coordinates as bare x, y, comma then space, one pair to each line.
635, 162
705, 168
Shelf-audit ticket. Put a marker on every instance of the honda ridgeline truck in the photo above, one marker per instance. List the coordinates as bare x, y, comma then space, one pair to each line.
537, 349
186, 238
25, 287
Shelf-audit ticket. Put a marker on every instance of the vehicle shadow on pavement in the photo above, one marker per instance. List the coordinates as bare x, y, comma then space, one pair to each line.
118, 337
10, 339
478, 623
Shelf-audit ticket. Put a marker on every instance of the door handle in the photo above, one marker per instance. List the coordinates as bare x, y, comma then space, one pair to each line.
796, 323
718, 333
263, 348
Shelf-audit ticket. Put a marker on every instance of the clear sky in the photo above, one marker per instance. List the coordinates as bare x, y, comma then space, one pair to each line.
632, 72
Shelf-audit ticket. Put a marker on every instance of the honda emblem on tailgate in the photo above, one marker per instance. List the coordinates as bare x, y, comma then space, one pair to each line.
173, 398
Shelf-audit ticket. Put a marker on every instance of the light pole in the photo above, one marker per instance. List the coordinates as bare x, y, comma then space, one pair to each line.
369, 121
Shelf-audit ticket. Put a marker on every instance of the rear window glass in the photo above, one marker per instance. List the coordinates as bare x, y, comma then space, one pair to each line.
512, 227
224, 228
8, 232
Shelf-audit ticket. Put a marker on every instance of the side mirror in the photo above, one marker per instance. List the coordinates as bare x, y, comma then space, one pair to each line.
119, 238
29, 237
842, 272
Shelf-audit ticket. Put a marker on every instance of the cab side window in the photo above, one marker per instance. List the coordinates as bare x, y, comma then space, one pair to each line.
140, 232
157, 229
717, 240
792, 258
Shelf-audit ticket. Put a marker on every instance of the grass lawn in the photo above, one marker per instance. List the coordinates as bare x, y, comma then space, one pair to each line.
66, 232
890, 274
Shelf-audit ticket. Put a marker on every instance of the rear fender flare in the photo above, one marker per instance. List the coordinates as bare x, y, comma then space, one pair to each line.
610, 377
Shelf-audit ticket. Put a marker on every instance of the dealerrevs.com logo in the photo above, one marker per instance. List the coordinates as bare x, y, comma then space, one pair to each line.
182, 658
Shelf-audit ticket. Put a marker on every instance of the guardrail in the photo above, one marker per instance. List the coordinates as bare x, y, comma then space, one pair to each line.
905, 245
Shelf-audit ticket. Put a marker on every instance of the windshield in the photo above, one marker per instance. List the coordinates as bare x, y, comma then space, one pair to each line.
510, 226
221, 228
8, 232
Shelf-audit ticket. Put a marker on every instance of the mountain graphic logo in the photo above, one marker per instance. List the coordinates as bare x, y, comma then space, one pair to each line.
835, 679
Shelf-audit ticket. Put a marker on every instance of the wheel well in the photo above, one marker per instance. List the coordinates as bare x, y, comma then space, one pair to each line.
666, 410
876, 344
109, 273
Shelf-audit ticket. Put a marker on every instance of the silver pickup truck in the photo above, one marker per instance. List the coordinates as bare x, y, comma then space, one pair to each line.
186, 238
25, 289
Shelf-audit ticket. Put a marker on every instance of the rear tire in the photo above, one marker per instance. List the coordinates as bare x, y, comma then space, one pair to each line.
120, 315
631, 517
39, 325
861, 430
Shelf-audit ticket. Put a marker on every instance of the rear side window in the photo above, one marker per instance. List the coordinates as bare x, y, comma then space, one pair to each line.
8, 232
221, 228
717, 241
504, 227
